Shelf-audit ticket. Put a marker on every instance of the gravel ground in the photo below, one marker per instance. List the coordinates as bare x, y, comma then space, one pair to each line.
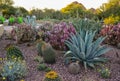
90, 75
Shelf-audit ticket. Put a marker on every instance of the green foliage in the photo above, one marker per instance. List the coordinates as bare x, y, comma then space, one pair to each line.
7, 2
48, 69
13, 70
42, 67
104, 72
38, 59
86, 25
13, 53
11, 20
107, 9
2, 19
83, 48
19, 20
48, 53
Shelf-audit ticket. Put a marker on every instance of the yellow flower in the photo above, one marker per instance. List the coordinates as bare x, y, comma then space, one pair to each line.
51, 75
3, 78
10, 67
22, 80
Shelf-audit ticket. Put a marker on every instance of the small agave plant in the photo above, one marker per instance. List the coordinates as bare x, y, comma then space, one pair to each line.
82, 48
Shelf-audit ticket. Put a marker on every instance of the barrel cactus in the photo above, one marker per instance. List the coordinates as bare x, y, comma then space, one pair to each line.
39, 45
48, 53
13, 52
74, 68
52, 76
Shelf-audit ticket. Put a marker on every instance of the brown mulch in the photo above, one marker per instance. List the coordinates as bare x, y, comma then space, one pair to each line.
91, 75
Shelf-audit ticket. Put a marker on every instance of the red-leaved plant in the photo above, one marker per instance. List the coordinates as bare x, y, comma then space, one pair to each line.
113, 34
59, 33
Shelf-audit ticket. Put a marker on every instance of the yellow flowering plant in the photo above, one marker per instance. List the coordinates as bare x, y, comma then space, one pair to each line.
111, 20
52, 76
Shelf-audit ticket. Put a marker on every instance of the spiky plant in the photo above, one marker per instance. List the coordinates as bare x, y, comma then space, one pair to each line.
13, 53
48, 53
83, 48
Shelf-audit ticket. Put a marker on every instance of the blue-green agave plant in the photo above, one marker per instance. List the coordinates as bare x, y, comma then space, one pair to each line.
82, 48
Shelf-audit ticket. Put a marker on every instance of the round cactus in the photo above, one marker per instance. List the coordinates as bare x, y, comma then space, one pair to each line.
48, 53
74, 68
13, 52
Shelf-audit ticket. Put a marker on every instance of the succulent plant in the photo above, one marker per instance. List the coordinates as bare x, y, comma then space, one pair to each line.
74, 68
113, 34
23, 33
83, 48
30, 21
59, 33
13, 52
39, 47
13, 70
38, 59
86, 25
41, 67
48, 53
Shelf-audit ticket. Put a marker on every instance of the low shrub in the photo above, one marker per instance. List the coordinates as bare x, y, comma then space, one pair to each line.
2, 19
11, 20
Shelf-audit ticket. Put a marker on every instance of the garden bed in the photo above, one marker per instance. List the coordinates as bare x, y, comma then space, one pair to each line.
91, 75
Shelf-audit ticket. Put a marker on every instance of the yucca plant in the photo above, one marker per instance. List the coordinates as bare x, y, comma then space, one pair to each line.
83, 48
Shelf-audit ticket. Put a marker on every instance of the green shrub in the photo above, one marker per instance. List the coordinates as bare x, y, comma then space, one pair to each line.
83, 48
13, 70
2, 19
19, 20
11, 20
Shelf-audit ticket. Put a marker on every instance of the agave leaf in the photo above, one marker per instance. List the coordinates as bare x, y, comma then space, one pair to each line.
101, 50
95, 45
91, 65
97, 59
